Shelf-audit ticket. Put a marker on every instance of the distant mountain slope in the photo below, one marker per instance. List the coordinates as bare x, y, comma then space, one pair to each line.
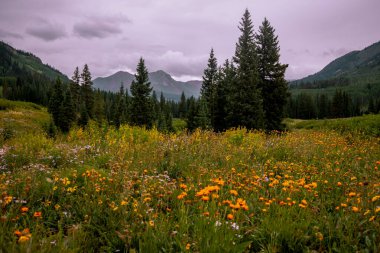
160, 81
357, 67
14, 63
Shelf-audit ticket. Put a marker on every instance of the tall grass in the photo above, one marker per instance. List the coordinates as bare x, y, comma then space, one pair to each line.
367, 125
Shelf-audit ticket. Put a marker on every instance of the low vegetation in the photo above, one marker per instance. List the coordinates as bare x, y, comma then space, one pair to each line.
104, 189
367, 125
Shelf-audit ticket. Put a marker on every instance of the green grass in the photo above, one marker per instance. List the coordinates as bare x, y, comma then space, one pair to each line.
364, 125
102, 189
179, 125
21, 118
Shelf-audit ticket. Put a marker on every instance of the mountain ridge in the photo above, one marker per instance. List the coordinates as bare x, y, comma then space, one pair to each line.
160, 81
14, 62
354, 66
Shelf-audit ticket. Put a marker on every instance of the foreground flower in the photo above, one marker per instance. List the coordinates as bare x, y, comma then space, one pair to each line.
37, 214
230, 216
23, 236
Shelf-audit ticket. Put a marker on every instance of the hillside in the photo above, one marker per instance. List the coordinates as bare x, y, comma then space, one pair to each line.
355, 67
15, 63
160, 81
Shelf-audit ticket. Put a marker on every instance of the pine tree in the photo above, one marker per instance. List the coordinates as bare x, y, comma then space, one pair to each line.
75, 89
83, 117
87, 92
55, 103
120, 108
191, 114
141, 104
245, 102
202, 118
156, 107
272, 76
209, 84
182, 110
225, 77
67, 112
99, 108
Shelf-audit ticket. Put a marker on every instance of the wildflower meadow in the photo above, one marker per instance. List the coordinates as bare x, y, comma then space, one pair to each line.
102, 189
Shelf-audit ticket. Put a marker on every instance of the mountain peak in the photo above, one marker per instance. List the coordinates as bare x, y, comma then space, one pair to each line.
160, 81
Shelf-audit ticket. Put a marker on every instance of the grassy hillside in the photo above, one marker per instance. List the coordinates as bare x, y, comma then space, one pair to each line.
368, 125
21, 118
133, 190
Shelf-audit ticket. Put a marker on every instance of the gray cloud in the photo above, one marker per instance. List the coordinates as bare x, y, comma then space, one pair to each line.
100, 27
336, 52
179, 64
47, 31
6, 34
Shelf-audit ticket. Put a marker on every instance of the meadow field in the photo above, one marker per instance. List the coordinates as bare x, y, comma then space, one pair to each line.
101, 189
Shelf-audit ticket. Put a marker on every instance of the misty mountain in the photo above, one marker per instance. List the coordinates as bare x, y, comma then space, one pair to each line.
16, 63
160, 81
356, 67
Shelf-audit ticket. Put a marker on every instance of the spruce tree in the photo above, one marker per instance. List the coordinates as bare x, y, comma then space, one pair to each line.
120, 108
225, 77
83, 116
99, 108
202, 118
245, 102
191, 114
141, 104
67, 112
87, 92
182, 110
272, 76
209, 84
75, 89
55, 103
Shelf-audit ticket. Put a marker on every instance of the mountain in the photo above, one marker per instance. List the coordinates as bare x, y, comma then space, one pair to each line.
15, 63
160, 81
355, 67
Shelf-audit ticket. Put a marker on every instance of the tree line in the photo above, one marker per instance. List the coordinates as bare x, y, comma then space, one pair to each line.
340, 105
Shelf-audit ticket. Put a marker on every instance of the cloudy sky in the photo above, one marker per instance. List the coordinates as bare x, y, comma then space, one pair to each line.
177, 35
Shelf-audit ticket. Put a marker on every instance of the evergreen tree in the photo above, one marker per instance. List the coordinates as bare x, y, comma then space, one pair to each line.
371, 105
99, 108
156, 107
225, 77
191, 114
55, 103
141, 104
202, 118
87, 92
323, 106
182, 106
67, 112
209, 83
83, 117
245, 102
120, 108
75, 89
272, 76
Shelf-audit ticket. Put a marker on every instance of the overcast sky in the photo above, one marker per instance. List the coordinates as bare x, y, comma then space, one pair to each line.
177, 35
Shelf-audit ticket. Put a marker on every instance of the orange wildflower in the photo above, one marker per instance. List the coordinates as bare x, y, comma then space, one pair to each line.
37, 214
